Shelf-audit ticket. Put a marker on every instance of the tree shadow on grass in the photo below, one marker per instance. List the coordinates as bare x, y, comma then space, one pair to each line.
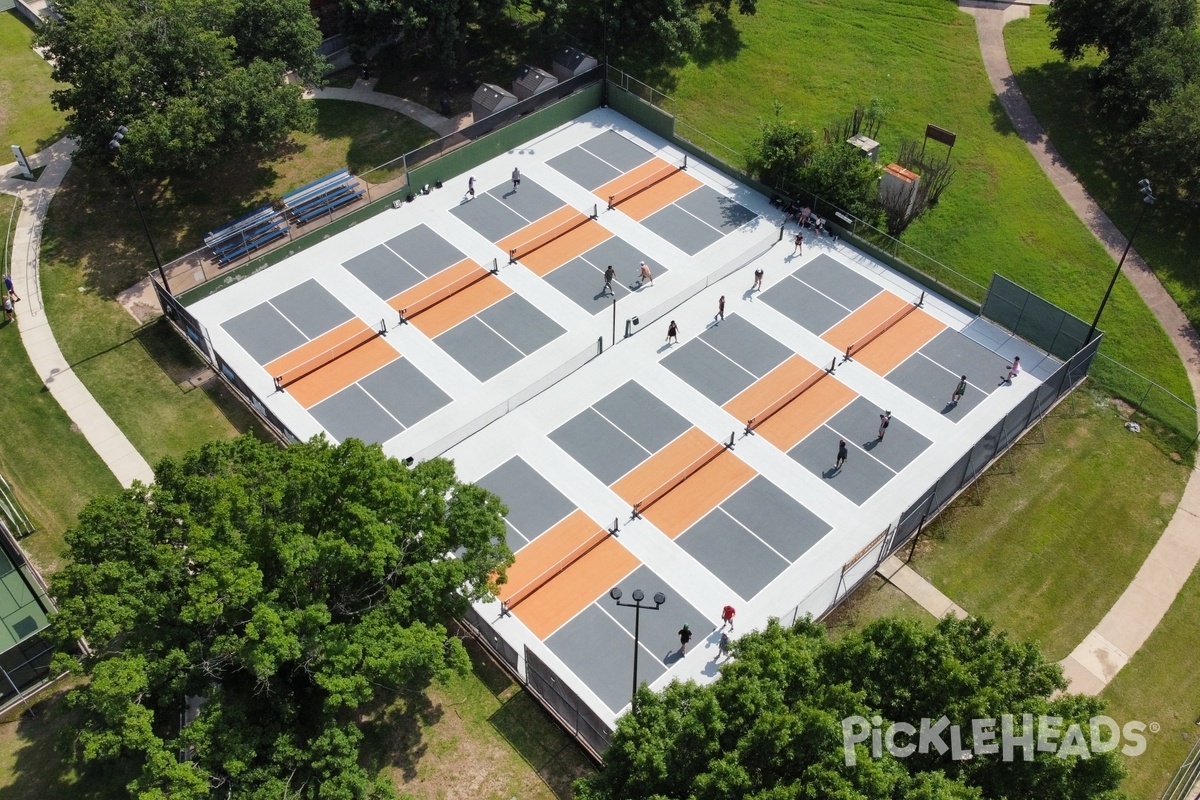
393, 731
720, 40
537, 738
40, 769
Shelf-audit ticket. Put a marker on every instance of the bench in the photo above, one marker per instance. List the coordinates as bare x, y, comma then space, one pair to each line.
246, 233
322, 196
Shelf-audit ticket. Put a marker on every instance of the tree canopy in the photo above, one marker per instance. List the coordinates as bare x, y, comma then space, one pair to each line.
274, 591
774, 724
191, 79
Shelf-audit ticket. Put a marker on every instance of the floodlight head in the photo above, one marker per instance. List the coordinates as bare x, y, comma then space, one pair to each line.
1144, 183
122, 130
659, 598
114, 145
616, 593
638, 595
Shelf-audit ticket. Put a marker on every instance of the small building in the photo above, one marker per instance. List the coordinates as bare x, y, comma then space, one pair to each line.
899, 185
868, 146
531, 80
572, 61
490, 98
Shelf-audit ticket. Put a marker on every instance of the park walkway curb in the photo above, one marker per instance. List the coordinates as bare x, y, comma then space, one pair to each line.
1139, 609
100, 431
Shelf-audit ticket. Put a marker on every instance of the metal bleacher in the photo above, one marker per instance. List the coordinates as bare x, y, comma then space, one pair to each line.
322, 196
246, 233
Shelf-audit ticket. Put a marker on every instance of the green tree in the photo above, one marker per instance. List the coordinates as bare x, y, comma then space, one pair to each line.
192, 79
274, 592
1130, 85
781, 150
1169, 140
774, 724
1117, 28
433, 27
845, 177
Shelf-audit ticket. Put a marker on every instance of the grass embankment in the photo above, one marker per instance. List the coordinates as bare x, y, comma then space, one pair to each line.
26, 116
922, 58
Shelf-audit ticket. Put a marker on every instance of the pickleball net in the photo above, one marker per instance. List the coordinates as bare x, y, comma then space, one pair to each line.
557, 232
645, 183
787, 399
327, 356
442, 294
879, 330
558, 568
678, 478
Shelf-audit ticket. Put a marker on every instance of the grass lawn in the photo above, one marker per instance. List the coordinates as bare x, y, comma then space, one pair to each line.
1081, 510
26, 116
1162, 685
52, 468
875, 599
922, 57
1058, 94
94, 246
479, 736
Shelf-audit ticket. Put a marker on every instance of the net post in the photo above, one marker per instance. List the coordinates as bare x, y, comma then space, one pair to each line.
847, 358
685, 164
750, 427
512, 256
782, 225
278, 384
495, 266
634, 514
610, 201
832, 366
402, 321
921, 301
595, 210
383, 327
504, 610
732, 434
616, 528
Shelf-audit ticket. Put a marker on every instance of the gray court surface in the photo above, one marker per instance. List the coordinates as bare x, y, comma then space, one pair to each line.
521, 324
837, 281
354, 413
708, 371
478, 348
613, 148
489, 217
689, 234
861, 476
584, 168
620, 431
753, 536
602, 448
582, 282
383, 272
582, 279
804, 305
499, 336
748, 346
859, 422
425, 250
534, 505
531, 201
964, 356
405, 391
716, 209
739, 558
642, 416
598, 642
264, 333
934, 385
382, 404
311, 308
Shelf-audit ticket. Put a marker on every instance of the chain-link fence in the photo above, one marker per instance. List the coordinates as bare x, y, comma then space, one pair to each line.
579, 720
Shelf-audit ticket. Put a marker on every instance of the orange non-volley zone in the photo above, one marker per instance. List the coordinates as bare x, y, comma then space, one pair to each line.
682, 482
883, 332
329, 363
455, 294
790, 402
545, 245
562, 571
649, 188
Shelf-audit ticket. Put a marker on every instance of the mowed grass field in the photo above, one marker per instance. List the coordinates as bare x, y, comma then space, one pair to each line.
26, 116
821, 58
1058, 93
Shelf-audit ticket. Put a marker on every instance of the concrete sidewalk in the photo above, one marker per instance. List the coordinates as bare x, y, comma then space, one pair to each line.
102, 434
364, 92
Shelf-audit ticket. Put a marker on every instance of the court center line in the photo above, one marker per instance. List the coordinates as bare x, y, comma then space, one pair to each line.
690, 214
521, 533
739, 523
375, 400
498, 333
641, 644
849, 310
414, 266
865, 451
644, 449
307, 338
699, 338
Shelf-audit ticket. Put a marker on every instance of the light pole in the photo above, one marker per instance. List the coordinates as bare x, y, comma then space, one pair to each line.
638, 597
1147, 201
115, 147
